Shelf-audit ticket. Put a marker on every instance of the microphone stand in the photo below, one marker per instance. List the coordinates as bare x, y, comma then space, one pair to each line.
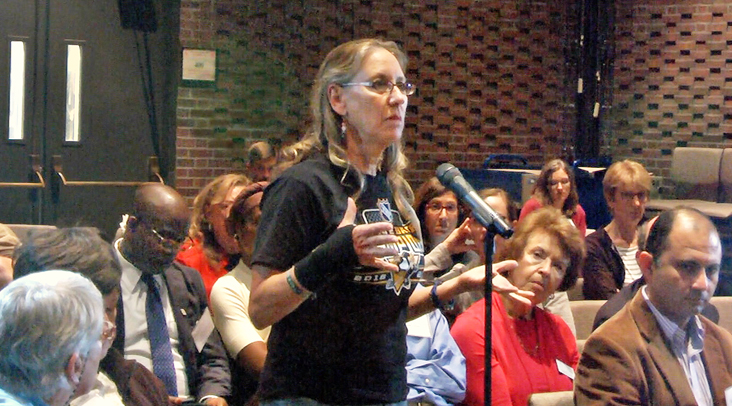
490, 234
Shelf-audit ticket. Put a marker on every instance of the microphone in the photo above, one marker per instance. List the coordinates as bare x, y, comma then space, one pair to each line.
452, 179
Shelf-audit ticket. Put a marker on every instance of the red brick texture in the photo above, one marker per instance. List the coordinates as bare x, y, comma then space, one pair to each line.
492, 77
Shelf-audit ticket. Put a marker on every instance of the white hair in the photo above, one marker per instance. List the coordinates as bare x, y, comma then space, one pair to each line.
45, 318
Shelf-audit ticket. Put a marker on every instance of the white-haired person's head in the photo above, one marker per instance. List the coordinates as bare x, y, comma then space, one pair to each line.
50, 331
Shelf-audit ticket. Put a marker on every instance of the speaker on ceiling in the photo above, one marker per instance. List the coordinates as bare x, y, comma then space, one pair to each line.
138, 15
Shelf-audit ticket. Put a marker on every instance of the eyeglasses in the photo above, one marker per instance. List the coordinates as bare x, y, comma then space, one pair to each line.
385, 87
555, 183
171, 241
629, 196
436, 207
108, 331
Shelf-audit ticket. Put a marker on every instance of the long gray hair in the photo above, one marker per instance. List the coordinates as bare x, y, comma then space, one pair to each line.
340, 66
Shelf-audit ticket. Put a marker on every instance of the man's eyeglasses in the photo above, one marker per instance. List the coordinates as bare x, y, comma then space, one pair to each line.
170, 241
385, 87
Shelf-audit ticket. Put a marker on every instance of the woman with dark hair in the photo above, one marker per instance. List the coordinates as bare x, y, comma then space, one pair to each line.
556, 187
211, 250
532, 350
439, 214
338, 252
438, 211
245, 344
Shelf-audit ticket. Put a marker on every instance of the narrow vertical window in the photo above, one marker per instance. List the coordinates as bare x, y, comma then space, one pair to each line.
17, 90
73, 93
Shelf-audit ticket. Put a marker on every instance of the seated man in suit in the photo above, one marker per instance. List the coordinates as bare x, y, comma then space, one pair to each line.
163, 321
618, 301
658, 349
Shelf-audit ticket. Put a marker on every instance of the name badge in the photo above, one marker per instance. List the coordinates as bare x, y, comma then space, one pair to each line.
565, 369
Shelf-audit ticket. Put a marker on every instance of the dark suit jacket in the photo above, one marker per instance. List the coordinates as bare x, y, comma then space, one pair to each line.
628, 361
615, 303
207, 371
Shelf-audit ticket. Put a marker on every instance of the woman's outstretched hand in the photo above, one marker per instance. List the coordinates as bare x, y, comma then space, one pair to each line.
474, 279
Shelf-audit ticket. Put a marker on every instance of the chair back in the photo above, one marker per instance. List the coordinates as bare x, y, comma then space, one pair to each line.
724, 307
562, 398
696, 173
584, 312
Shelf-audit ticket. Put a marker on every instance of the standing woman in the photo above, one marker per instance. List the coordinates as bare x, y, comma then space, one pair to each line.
337, 294
556, 187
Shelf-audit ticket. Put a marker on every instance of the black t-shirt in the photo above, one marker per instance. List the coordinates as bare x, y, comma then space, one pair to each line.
347, 344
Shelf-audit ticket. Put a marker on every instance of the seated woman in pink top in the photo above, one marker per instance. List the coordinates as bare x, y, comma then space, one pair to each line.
556, 187
532, 350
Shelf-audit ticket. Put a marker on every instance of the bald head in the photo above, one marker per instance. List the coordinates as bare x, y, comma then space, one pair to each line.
157, 227
681, 263
657, 239
153, 199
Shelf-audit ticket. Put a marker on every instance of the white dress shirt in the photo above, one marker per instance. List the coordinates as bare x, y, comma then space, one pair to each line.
104, 393
137, 341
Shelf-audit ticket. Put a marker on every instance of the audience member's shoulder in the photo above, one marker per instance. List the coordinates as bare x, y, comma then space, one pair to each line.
617, 325
316, 173
712, 329
8, 241
596, 237
314, 166
188, 272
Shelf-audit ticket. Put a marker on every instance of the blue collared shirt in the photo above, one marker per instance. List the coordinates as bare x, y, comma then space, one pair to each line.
435, 365
7, 399
687, 346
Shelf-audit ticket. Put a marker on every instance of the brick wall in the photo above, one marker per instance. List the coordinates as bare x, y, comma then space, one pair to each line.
492, 77
672, 80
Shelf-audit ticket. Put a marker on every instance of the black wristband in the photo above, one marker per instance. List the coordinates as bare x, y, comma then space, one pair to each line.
327, 260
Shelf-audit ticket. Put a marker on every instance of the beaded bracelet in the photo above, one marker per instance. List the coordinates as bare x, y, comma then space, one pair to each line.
436, 300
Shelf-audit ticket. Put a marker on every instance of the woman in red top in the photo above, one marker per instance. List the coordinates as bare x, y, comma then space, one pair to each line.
212, 250
556, 187
532, 350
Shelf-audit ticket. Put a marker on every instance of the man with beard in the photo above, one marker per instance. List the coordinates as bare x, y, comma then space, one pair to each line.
163, 321
658, 349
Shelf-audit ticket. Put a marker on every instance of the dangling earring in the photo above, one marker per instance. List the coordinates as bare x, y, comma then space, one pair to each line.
343, 128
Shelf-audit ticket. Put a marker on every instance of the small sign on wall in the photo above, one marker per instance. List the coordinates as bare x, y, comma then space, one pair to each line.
199, 67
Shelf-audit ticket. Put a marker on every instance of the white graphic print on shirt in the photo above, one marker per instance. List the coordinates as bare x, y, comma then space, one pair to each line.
411, 252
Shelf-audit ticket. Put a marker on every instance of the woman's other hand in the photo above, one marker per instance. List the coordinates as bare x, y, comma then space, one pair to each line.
371, 241
456, 242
